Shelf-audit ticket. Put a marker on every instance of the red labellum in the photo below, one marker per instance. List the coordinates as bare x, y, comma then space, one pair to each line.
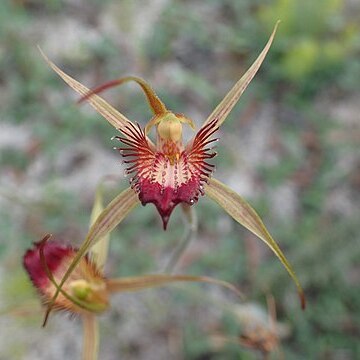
167, 178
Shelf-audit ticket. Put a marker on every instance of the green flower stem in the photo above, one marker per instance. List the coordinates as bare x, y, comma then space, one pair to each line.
191, 227
91, 337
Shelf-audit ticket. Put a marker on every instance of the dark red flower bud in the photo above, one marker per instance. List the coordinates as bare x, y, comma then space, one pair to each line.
84, 290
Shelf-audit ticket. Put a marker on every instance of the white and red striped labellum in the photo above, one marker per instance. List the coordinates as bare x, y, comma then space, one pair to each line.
170, 173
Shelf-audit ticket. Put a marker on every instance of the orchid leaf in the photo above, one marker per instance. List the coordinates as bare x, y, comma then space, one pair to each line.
223, 109
137, 283
113, 214
91, 337
115, 118
245, 215
98, 252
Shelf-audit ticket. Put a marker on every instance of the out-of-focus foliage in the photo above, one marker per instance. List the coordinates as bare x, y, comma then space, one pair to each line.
320, 45
292, 150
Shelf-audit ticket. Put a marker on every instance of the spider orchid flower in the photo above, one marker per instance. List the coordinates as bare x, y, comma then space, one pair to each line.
84, 291
87, 290
168, 173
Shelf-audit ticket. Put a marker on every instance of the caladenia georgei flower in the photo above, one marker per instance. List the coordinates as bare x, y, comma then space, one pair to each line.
86, 292
169, 172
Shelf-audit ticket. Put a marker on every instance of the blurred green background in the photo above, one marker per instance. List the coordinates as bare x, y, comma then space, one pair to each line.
291, 147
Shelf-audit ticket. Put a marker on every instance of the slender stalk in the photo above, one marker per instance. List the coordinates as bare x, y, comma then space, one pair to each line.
91, 337
191, 226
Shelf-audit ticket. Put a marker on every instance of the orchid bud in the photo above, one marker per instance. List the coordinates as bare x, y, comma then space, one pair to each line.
85, 290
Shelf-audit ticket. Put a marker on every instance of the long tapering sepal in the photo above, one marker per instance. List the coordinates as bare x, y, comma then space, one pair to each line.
137, 283
223, 109
245, 215
98, 253
113, 214
114, 117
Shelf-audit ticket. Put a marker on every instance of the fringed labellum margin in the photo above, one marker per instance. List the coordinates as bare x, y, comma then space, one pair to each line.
169, 174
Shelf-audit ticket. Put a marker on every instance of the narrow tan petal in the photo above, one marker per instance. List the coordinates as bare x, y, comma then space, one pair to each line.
99, 252
152, 122
91, 337
245, 215
115, 118
113, 214
138, 283
223, 109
